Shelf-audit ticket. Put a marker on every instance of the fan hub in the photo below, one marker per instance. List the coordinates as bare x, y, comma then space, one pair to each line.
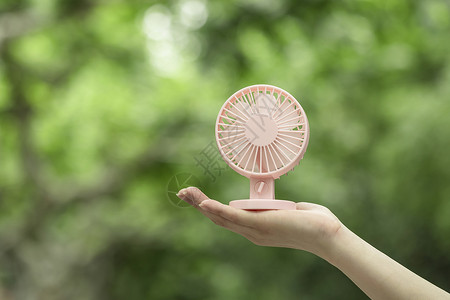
261, 130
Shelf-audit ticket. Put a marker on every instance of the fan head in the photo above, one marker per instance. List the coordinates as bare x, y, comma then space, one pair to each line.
262, 131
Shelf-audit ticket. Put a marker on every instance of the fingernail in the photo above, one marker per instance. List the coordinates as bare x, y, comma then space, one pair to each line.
181, 194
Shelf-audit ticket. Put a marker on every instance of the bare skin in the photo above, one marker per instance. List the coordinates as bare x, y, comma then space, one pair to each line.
314, 228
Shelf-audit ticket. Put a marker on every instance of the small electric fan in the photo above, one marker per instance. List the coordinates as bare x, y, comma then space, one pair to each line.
262, 133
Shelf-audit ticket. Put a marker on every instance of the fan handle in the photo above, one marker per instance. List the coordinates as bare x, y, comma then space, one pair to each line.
262, 197
262, 188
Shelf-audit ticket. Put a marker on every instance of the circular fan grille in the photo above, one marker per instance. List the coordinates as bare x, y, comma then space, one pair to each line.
262, 130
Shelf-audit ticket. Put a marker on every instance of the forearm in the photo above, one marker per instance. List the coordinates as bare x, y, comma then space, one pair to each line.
379, 276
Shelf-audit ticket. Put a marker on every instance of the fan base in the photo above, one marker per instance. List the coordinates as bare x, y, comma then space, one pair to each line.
263, 204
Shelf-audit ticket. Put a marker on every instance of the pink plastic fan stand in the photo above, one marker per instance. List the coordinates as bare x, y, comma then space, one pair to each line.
262, 133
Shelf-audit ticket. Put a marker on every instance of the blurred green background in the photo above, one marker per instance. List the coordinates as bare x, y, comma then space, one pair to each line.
102, 103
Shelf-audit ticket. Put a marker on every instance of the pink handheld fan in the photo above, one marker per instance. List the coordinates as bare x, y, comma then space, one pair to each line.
262, 133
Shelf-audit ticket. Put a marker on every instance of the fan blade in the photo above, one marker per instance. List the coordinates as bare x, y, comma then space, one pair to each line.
237, 112
275, 161
266, 104
289, 115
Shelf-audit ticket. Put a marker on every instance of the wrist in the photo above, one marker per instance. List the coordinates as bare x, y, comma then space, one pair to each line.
332, 248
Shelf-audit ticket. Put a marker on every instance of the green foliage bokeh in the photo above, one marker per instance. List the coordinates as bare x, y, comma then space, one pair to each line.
102, 103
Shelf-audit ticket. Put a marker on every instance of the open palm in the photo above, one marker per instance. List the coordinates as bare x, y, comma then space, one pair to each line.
310, 227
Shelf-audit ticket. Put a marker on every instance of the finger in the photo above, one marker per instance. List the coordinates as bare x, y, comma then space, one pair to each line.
234, 215
192, 195
227, 224
312, 207
307, 206
195, 197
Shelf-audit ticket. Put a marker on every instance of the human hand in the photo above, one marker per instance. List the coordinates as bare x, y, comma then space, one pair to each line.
310, 227
314, 228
